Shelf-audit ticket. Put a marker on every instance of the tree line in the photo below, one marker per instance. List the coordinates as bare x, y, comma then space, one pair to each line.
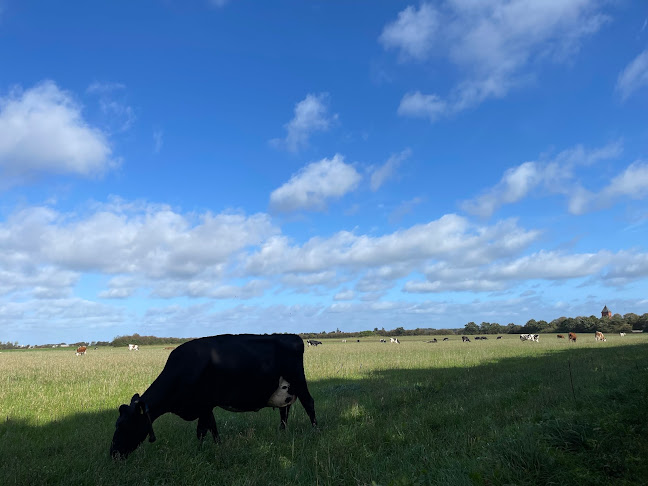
616, 323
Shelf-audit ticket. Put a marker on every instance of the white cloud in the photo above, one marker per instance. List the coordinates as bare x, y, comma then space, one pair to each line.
386, 171
451, 238
555, 175
418, 105
492, 43
634, 76
141, 245
413, 32
631, 183
42, 131
315, 184
613, 268
311, 115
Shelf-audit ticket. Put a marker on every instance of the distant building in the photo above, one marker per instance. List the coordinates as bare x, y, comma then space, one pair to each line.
606, 312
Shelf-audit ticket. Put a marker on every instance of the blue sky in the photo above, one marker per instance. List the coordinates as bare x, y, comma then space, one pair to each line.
195, 168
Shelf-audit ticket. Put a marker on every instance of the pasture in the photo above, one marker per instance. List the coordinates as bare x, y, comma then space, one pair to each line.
495, 412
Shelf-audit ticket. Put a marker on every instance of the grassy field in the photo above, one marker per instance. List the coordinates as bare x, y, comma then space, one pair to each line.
496, 412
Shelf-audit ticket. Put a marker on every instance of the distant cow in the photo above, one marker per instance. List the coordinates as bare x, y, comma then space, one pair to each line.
599, 336
499, 337
394, 340
560, 336
446, 339
530, 337
465, 339
432, 341
383, 340
344, 340
133, 347
572, 337
239, 373
313, 342
622, 334
81, 350
477, 338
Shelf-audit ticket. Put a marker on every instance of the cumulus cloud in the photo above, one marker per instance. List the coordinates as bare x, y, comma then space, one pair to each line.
555, 175
634, 77
412, 32
311, 115
140, 245
42, 131
491, 43
542, 265
315, 184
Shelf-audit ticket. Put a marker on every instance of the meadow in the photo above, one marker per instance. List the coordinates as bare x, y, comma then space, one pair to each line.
495, 412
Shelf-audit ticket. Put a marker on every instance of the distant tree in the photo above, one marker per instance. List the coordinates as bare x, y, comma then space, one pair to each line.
471, 328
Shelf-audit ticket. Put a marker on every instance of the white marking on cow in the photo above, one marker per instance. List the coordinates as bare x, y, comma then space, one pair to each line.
282, 397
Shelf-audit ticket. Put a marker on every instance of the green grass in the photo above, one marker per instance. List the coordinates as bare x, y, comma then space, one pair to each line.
498, 412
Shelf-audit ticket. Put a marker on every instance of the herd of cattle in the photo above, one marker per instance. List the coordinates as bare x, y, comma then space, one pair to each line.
81, 350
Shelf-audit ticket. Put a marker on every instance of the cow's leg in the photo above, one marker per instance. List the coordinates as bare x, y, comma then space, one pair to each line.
283, 413
207, 422
309, 404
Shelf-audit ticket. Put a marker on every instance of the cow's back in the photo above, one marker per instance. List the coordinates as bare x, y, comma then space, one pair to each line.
236, 372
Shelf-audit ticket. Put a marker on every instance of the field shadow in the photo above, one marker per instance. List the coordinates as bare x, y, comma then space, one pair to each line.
576, 414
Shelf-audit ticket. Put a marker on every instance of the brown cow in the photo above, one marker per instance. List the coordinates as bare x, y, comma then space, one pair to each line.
599, 336
81, 350
560, 336
572, 337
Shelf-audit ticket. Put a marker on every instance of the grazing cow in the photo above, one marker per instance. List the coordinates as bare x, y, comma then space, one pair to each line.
432, 341
239, 373
465, 339
560, 336
530, 337
572, 337
344, 340
622, 334
446, 339
599, 336
484, 337
81, 350
383, 340
499, 337
477, 338
133, 347
313, 342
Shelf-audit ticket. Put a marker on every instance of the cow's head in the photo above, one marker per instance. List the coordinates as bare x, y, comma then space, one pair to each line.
131, 428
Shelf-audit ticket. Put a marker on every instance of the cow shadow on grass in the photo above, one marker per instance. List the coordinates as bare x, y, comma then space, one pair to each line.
575, 416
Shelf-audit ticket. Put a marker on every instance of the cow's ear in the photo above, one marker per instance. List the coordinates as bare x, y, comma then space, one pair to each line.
123, 409
135, 398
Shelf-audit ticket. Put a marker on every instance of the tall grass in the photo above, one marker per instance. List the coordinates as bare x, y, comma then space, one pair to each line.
486, 412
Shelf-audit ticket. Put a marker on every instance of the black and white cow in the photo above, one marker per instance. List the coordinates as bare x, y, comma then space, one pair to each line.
446, 339
239, 373
313, 342
465, 339
530, 337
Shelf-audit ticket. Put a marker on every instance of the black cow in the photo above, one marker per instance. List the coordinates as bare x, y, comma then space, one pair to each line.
313, 342
465, 339
240, 373
446, 339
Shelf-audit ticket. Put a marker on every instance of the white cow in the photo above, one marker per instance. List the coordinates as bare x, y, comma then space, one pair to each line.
530, 337
133, 347
622, 334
